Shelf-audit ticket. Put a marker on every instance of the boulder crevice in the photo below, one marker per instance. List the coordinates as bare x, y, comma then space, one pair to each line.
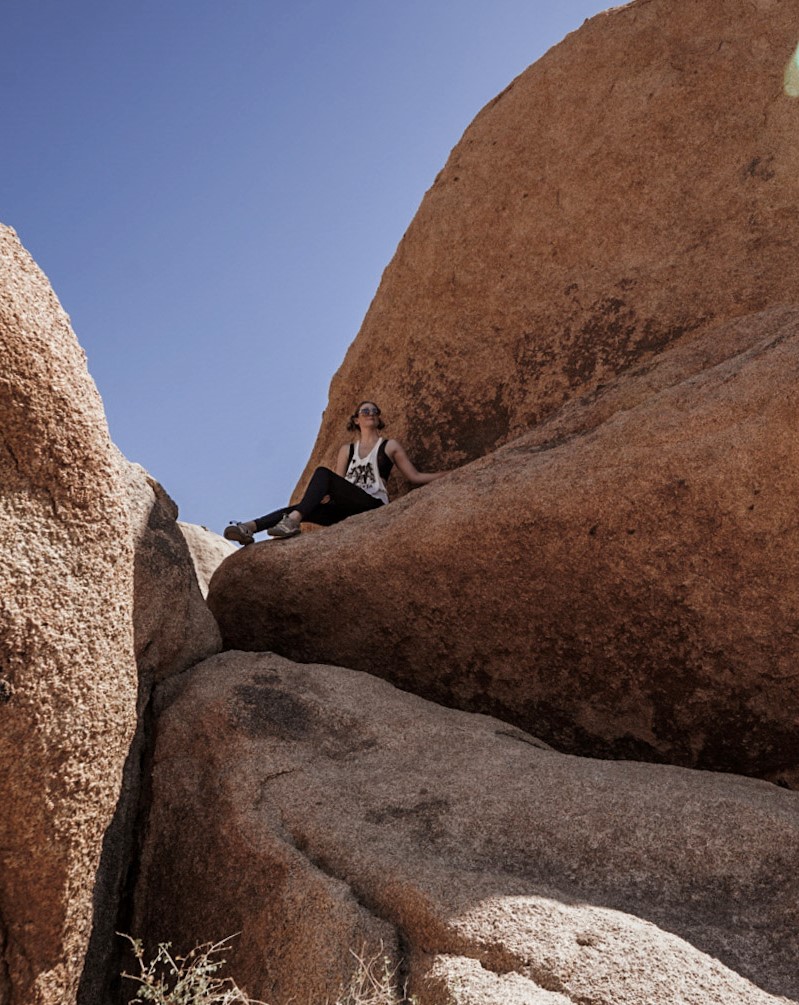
346, 798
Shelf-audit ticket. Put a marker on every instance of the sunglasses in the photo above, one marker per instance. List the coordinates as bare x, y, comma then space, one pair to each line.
368, 411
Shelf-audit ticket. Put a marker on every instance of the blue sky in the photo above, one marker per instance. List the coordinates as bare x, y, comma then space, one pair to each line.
214, 188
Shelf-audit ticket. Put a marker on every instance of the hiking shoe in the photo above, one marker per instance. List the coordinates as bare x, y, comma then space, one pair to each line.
286, 528
236, 532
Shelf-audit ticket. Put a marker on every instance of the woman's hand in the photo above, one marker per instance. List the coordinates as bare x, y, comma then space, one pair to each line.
397, 454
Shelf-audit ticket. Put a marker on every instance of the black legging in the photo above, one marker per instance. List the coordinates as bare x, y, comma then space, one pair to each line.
346, 500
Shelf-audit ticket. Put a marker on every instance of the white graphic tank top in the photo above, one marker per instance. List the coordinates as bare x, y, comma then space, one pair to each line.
363, 472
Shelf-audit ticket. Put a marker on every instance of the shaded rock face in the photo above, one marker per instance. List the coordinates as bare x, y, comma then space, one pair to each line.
636, 185
315, 809
619, 581
208, 551
67, 671
173, 627
96, 578
173, 630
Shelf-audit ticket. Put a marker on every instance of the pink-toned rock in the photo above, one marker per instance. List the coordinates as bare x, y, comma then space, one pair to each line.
315, 809
68, 677
636, 185
620, 581
208, 550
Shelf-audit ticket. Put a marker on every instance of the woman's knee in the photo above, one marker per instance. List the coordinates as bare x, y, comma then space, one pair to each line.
321, 474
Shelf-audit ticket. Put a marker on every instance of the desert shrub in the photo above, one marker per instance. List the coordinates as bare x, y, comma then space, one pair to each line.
169, 979
185, 980
373, 983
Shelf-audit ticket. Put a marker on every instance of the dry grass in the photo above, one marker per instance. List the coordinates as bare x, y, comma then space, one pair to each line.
185, 980
169, 979
373, 983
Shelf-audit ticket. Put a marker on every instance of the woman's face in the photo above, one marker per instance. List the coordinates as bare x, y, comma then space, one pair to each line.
368, 415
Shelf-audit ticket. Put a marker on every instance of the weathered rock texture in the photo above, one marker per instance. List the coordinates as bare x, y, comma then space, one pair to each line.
173, 627
636, 185
621, 581
314, 808
208, 550
68, 679
173, 630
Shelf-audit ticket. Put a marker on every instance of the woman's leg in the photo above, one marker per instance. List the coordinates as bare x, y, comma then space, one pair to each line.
349, 499
341, 499
310, 504
265, 522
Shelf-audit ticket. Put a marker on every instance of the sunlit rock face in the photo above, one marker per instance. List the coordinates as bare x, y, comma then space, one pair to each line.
67, 670
316, 810
621, 581
635, 186
207, 550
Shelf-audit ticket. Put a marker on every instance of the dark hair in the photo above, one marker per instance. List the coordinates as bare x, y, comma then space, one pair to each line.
351, 425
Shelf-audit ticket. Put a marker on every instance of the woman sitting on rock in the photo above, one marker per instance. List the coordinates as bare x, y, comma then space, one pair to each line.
357, 485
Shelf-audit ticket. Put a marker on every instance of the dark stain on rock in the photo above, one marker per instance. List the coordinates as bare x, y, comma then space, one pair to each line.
465, 425
424, 818
606, 337
6, 691
611, 339
264, 710
478, 434
615, 339
653, 338
759, 169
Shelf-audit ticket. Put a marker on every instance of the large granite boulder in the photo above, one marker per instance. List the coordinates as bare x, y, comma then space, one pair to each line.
637, 184
172, 624
67, 670
208, 550
97, 582
620, 581
173, 629
317, 810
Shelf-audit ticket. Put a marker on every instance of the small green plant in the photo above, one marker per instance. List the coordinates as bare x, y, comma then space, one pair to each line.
185, 980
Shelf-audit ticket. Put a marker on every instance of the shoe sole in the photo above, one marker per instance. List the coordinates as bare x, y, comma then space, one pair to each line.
232, 533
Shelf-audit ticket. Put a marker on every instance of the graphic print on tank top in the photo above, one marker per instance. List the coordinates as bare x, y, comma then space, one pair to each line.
361, 475
365, 473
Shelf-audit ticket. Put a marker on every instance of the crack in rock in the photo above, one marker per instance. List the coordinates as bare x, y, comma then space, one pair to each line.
495, 959
366, 903
5, 969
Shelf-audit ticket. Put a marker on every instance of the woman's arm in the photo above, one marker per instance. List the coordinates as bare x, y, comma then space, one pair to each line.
342, 459
397, 454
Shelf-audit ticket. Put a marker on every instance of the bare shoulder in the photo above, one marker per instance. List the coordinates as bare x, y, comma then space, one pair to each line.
393, 447
343, 459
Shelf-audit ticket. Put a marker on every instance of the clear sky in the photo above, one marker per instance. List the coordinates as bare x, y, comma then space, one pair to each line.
214, 188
